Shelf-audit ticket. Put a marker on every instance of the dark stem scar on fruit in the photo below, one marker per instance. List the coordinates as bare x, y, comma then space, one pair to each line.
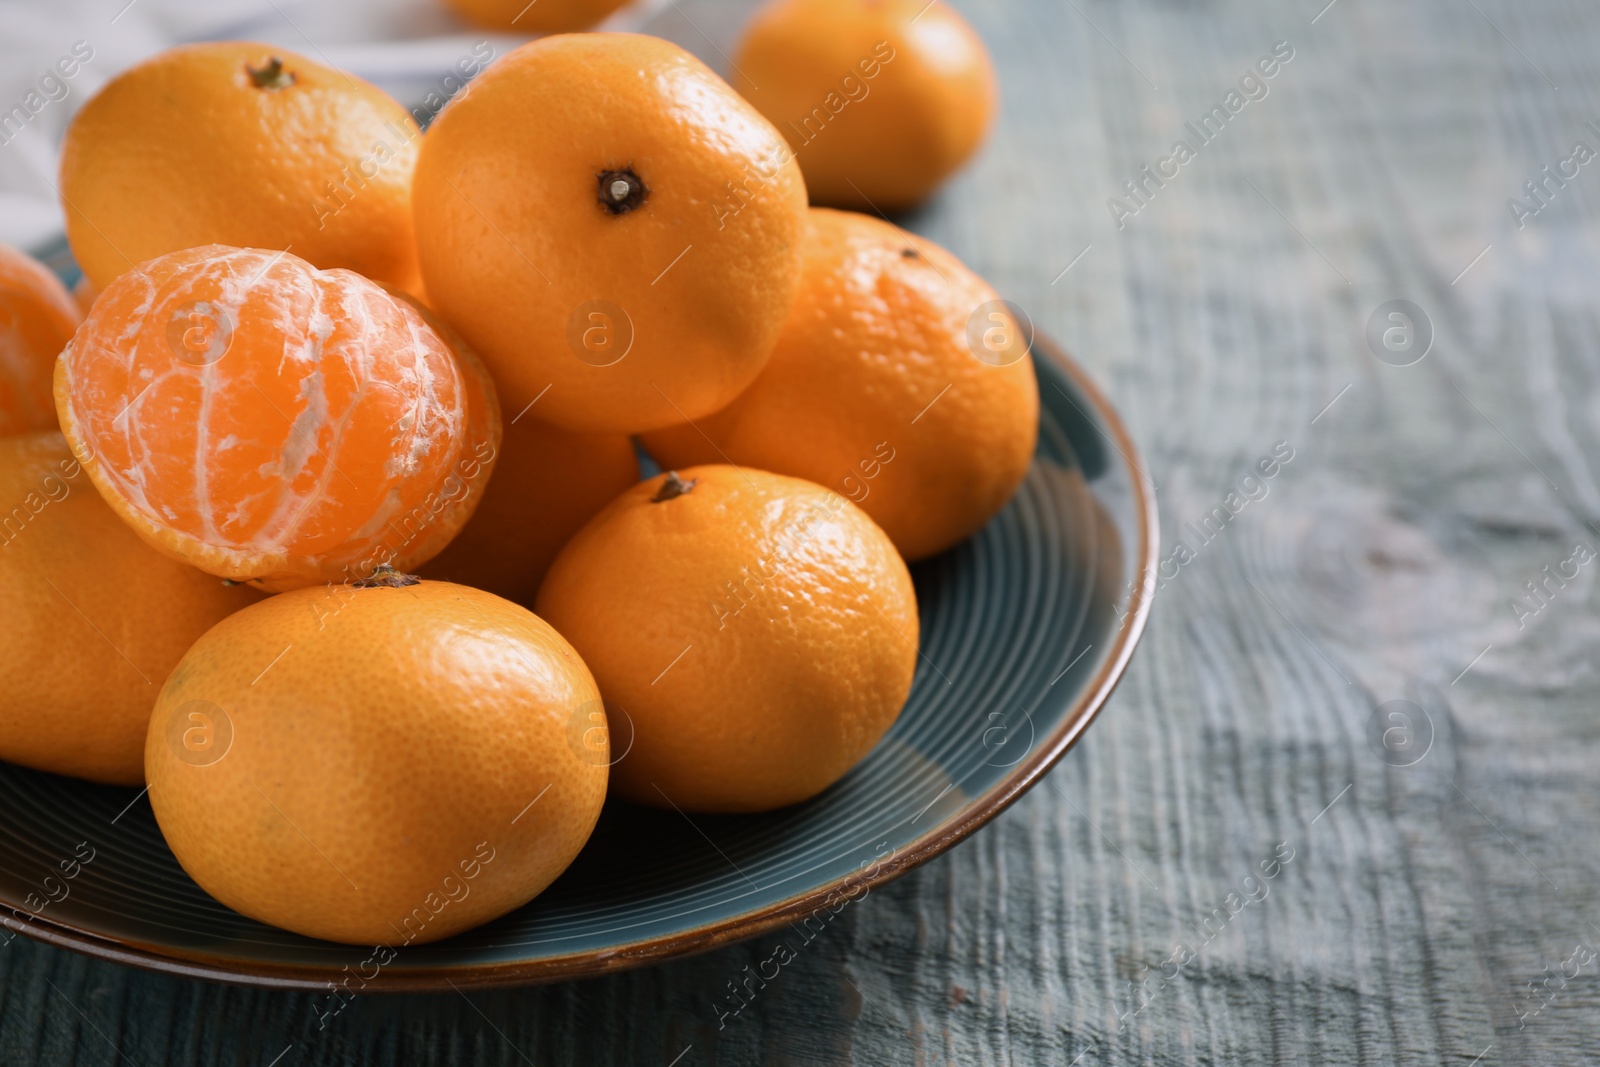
620, 191
910, 253
385, 577
272, 76
672, 487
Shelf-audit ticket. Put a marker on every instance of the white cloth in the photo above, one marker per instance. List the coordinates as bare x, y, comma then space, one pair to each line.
406, 47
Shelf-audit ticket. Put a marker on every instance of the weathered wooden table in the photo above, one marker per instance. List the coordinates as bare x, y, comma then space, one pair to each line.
1343, 808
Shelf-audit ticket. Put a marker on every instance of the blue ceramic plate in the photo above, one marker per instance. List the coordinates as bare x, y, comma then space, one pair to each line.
1026, 629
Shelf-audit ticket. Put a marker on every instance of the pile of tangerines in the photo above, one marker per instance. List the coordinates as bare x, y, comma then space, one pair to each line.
322, 503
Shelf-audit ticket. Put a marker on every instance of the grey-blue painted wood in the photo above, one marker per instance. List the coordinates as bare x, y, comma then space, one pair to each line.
1248, 859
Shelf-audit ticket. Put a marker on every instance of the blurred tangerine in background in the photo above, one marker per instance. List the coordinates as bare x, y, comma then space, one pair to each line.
83, 293
535, 16
881, 100
37, 319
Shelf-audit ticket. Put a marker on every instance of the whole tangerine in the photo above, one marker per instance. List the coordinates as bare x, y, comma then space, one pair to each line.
605, 219
83, 293
758, 634
37, 319
547, 483
387, 763
900, 380
236, 143
881, 100
94, 619
273, 423
546, 16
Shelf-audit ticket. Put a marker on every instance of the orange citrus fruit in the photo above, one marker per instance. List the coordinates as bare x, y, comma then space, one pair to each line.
37, 318
880, 99
382, 766
753, 635
547, 483
240, 144
545, 16
605, 219
274, 423
900, 380
94, 619
83, 293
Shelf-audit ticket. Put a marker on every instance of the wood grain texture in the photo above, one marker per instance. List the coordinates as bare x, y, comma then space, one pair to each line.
1223, 318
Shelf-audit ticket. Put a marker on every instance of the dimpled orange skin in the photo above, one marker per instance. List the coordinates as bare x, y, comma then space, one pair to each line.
94, 619
186, 149
516, 244
272, 423
874, 390
547, 483
546, 16
880, 99
37, 318
387, 744
758, 632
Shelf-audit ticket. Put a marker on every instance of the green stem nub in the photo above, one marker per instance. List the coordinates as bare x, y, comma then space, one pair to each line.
272, 76
620, 191
673, 487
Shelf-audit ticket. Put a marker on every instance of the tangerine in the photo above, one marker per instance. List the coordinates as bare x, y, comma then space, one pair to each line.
603, 217
881, 100
273, 423
229, 142
94, 619
547, 483
546, 16
83, 293
37, 318
310, 769
757, 634
900, 380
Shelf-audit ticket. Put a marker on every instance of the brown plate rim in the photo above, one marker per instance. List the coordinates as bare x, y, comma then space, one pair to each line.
937, 840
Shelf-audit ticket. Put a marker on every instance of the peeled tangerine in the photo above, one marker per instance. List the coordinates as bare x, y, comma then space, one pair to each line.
273, 423
754, 634
94, 619
614, 229
379, 765
37, 317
